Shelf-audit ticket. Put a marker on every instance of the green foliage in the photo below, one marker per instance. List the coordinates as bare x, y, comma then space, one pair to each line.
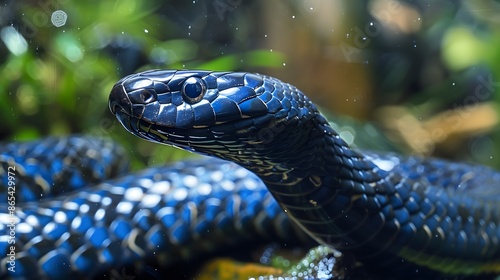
60, 84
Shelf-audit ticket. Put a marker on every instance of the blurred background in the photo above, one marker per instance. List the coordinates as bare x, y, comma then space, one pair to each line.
425, 74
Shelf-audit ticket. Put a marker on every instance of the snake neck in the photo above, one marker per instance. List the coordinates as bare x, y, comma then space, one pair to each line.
303, 151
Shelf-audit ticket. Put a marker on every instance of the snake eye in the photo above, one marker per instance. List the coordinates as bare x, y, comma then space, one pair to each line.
193, 89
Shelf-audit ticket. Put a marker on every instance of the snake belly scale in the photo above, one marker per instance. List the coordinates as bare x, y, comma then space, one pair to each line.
389, 211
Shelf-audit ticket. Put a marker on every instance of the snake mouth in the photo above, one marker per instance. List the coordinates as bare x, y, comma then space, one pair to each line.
121, 107
148, 131
135, 125
125, 119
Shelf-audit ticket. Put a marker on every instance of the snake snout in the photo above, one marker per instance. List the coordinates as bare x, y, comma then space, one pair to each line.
119, 101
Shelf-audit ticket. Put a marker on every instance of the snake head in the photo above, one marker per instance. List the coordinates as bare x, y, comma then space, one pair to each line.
156, 101
188, 99
219, 113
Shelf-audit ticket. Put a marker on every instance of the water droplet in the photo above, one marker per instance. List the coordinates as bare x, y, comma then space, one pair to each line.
59, 18
146, 31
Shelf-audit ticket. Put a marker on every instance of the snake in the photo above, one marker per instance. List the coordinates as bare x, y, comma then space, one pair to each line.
405, 215
79, 213
276, 171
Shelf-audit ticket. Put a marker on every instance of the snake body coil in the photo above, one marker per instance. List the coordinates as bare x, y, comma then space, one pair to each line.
161, 215
385, 209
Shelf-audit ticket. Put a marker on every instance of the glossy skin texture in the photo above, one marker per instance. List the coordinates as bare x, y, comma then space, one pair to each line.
389, 211
57, 165
160, 215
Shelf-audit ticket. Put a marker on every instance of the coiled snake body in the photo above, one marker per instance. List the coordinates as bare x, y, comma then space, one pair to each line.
161, 215
403, 214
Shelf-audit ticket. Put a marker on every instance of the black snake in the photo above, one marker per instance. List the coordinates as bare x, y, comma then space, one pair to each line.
407, 214
387, 210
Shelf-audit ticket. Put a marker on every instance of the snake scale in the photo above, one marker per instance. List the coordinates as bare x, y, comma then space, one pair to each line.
400, 214
161, 214
386, 210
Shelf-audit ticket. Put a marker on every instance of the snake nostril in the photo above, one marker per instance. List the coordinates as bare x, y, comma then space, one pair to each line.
147, 96
142, 96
